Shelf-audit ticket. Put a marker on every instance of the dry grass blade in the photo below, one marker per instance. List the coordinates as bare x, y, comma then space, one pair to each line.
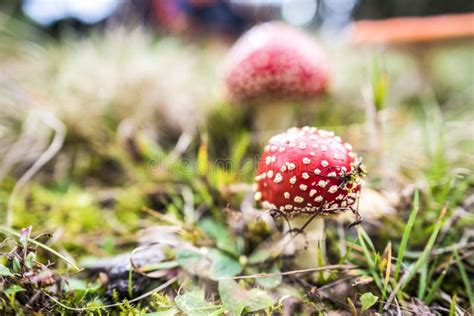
268, 275
388, 269
50, 152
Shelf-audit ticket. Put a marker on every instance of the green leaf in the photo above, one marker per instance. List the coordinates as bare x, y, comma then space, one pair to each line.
30, 260
16, 266
270, 282
190, 260
237, 299
4, 271
79, 287
194, 304
12, 290
220, 234
260, 255
368, 300
223, 265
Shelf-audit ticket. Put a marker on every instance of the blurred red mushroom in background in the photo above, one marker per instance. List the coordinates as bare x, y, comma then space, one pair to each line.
271, 65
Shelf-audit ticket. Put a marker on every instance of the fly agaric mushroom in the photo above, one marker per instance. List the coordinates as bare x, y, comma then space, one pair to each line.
278, 63
308, 173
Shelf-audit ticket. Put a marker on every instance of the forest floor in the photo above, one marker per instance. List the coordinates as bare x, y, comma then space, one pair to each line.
126, 183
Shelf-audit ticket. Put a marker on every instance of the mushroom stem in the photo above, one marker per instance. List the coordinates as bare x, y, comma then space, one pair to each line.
272, 117
310, 244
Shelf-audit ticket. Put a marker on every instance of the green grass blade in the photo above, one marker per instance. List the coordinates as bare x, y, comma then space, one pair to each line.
426, 252
406, 235
423, 281
432, 292
370, 262
465, 280
452, 306
367, 240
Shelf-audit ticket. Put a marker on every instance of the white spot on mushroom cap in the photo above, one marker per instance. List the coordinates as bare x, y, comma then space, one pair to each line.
278, 178
322, 183
303, 187
332, 189
258, 196
324, 163
286, 195
306, 161
298, 199
293, 180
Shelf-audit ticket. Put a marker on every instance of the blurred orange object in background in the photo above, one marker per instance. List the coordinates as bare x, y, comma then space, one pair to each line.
413, 29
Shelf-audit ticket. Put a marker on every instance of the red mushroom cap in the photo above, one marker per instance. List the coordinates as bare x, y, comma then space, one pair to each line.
306, 170
274, 58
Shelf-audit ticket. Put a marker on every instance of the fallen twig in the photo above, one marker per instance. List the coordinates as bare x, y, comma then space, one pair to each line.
268, 275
